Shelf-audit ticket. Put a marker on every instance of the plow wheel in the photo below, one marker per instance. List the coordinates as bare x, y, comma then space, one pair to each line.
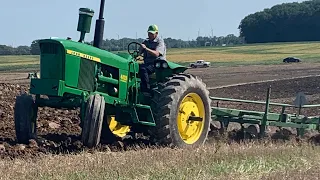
92, 123
25, 115
113, 130
182, 112
252, 131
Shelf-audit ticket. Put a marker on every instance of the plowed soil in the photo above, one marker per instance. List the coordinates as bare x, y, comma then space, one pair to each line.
59, 130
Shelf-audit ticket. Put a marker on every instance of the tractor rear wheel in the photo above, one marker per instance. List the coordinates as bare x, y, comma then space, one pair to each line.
92, 123
182, 112
25, 114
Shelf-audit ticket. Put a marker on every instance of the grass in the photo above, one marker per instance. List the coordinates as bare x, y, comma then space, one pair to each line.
271, 53
249, 54
13, 63
244, 161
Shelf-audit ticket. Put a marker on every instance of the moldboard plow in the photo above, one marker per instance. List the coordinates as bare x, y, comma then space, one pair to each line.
258, 121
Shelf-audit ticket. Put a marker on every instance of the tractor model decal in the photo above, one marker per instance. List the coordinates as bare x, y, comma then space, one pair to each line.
83, 55
123, 78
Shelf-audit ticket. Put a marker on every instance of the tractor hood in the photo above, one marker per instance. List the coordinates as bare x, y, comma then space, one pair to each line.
74, 63
73, 48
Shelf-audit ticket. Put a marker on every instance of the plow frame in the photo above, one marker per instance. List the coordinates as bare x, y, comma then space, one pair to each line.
266, 118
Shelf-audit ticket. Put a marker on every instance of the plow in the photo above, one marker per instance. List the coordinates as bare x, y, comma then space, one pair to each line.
106, 88
259, 121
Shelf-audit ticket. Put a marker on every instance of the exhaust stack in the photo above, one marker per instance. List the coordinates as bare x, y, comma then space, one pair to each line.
98, 36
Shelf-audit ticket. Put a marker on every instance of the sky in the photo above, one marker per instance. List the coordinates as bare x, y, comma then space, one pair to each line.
24, 21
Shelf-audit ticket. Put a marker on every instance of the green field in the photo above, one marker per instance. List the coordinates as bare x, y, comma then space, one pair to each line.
13, 63
272, 53
249, 54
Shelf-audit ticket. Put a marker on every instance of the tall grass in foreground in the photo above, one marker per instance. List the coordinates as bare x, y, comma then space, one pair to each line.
244, 161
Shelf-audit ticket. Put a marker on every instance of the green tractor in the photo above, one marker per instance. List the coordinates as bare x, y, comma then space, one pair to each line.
106, 88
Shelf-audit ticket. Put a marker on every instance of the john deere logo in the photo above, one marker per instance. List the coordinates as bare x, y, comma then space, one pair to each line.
75, 53
123, 78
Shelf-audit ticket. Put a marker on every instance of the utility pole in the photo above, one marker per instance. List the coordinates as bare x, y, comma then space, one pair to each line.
118, 39
211, 32
211, 36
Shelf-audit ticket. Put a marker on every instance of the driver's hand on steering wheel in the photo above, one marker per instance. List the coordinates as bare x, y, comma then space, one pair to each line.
139, 58
143, 46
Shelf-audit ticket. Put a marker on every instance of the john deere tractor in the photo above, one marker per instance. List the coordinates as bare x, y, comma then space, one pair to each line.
106, 88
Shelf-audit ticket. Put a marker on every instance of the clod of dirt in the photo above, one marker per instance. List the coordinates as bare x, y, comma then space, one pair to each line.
117, 146
2, 113
283, 134
77, 144
2, 149
315, 139
21, 147
66, 122
54, 125
33, 143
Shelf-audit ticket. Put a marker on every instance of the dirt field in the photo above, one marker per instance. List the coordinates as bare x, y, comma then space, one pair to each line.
59, 130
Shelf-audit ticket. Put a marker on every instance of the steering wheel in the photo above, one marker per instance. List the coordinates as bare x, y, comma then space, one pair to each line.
135, 51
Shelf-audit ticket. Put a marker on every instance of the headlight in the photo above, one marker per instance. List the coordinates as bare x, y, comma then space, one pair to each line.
158, 64
165, 65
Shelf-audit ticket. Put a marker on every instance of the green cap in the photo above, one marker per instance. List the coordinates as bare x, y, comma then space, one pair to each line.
153, 29
86, 11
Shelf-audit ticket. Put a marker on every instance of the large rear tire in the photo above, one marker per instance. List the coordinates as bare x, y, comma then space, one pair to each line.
25, 114
180, 97
92, 123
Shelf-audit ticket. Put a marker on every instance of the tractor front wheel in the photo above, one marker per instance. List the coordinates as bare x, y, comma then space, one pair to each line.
92, 123
182, 112
25, 114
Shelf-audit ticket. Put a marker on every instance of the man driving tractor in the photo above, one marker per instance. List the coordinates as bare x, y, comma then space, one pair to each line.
152, 48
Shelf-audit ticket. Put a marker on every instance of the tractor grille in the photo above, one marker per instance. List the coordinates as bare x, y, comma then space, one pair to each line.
49, 48
86, 75
51, 61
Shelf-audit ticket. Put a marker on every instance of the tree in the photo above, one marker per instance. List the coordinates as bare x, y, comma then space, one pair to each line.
284, 22
35, 48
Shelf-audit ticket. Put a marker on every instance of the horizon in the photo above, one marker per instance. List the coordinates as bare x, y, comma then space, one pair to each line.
172, 23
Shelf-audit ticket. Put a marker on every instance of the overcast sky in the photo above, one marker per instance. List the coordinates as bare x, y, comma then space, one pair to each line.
24, 21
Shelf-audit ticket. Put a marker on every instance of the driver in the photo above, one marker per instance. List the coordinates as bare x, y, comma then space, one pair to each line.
152, 48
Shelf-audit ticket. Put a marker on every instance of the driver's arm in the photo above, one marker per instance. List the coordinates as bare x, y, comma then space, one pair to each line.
159, 49
141, 49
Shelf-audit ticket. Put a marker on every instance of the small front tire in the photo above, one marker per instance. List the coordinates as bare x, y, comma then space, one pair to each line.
25, 114
92, 123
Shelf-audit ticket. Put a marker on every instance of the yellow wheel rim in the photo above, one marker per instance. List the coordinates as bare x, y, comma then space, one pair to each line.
116, 128
190, 130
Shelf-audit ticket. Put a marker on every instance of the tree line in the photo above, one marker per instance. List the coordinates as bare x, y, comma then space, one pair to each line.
286, 22
122, 44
